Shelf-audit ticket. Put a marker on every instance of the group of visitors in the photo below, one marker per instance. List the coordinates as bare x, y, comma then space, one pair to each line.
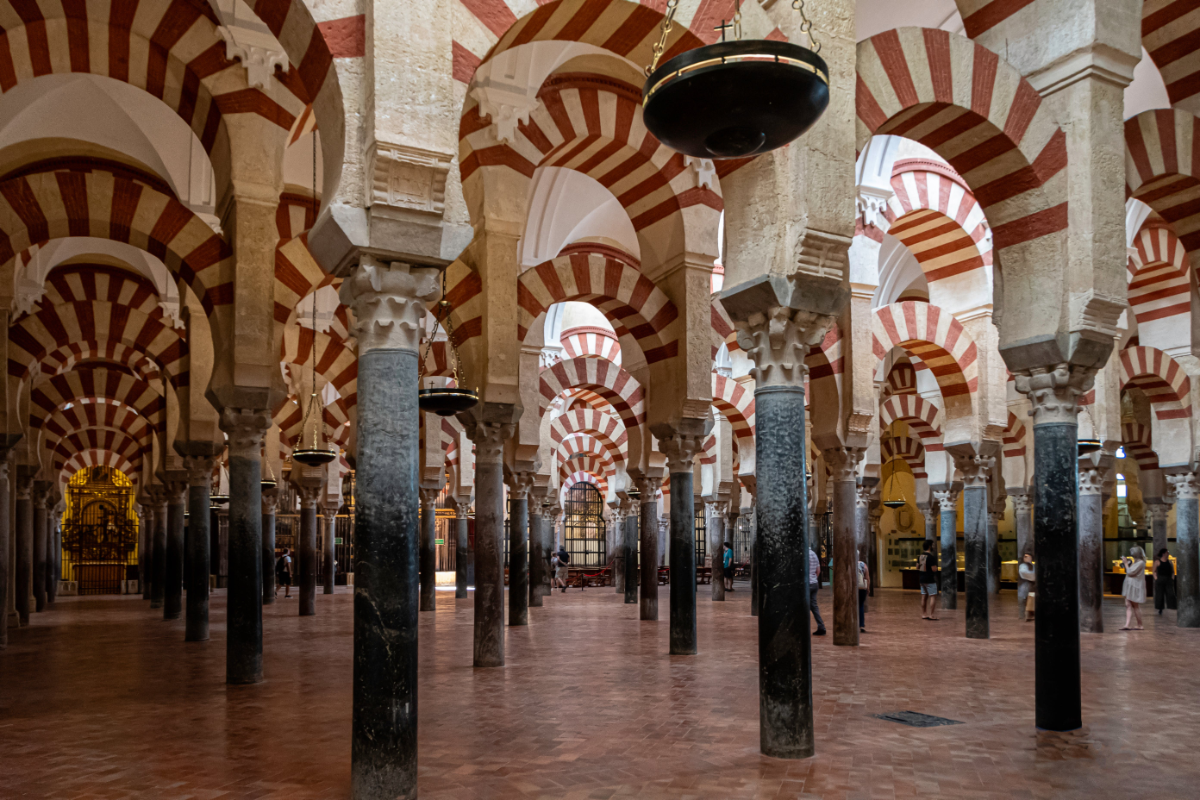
1134, 587
862, 579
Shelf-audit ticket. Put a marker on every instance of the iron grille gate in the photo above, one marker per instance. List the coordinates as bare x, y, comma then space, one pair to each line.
701, 534
99, 532
584, 526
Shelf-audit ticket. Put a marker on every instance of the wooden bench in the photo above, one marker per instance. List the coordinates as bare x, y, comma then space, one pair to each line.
703, 574
583, 577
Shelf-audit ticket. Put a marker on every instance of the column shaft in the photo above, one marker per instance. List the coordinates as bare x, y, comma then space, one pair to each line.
993, 552
145, 551
518, 559
5, 550
716, 546
632, 574
158, 586
39, 553
173, 594
462, 557
683, 565
949, 566
243, 639
784, 639
537, 557
754, 571
427, 552
489, 563
845, 553
329, 561
196, 621
308, 557
268, 553
931, 531
1056, 653
52, 557
975, 541
24, 554
1187, 558
1024, 524
648, 602
1091, 552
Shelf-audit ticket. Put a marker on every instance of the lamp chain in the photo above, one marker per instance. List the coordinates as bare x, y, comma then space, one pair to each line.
806, 26
661, 46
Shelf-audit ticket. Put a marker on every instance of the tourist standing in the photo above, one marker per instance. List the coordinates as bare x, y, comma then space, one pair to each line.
727, 566
1135, 587
864, 588
1164, 581
814, 583
1027, 576
927, 576
559, 563
283, 573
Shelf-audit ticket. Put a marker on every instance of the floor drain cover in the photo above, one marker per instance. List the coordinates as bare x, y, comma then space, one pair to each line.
916, 720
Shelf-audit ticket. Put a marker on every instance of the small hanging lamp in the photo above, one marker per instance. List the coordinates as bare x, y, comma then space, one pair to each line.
888, 500
445, 401
319, 452
734, 99
214, 494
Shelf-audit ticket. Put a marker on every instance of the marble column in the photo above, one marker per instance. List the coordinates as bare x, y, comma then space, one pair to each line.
680, 450
310, 497
52, 554
849, 510
1187, 549
777, 345
24, 549
518, 548
1022, 505
930, 517
199, 469
947, 505
489, 438
41, 516
975, 470
630, 548
245, 429
329, 561
389, 307
270, 502
145, 516
1054, 396
716, 544
648, 489
537, 550
158, 585
754, 571
176, 496
1156, 521
5, 548
993, 546
462, 556
1091, 549
427, 550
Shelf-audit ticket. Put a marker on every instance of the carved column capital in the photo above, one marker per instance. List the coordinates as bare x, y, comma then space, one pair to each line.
388, 304
680, 450
199, 470
429, 496
519, 484
176, 492
1091, 481
946, 500
489, 439
975, 469
1022, 503
309, 495
1157, 512
862, 496
843, 462
462, 508
270, 501
778, 342
1054, 392
245, 429
648, 488
1186, 486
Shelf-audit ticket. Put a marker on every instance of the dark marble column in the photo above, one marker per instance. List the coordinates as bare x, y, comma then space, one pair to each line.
199, 483
993, 547
462, 556
947, 505
975, 470
5, 547
270, 502
489, 441
648, 487
1023, 522
784, 638
176, 495
1091, 550
1187, 550
245, 430
388, 304
843, 464
310, 496
329, 559
630, 548
1156, 521
929, 514
680, 450
53, 548
427, 550
158, 570
518, 548
1054, 396
716, 545
145, 546
755, 573
539, 583
41, 528
24, 549
862, 522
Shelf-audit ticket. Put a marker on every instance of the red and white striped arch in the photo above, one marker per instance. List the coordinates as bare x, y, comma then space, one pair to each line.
88, 384
934, 336
1161, 169
105, 416
630, 301
606, 379
918, 413
723, 331
736, 403
1169, 32
336, 359
96, 439
825, 364
113, 205
295, 215
132, 469
583, 449
1014, 437
936, 217
604, 427
976, 111
591, 341
296, 275
902, 378
1138, 443
1159, 278
583, 476
1160, 377
908, 450
69, 356
96, 324
83, 283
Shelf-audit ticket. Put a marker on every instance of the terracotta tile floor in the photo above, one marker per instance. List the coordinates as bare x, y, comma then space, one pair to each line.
102, 699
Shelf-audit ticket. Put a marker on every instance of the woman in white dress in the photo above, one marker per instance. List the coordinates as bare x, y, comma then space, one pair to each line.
1134, 588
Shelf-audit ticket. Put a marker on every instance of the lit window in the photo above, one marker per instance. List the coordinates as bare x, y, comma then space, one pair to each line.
1120, 485
1121, 452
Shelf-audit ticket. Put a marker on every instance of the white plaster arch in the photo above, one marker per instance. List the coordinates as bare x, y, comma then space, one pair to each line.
898, 271
565, 207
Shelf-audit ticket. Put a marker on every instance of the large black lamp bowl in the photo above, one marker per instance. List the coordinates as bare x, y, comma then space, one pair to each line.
314, 456
735, 99
1089, 446
446, 402
894, 503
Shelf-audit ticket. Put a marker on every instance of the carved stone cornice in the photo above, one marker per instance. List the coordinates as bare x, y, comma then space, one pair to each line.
199, 470
843, 462
1186, 486
946, 500
489, 439
1091, 481
778, 342
1054, 392
680, 450
975, 469
388, 304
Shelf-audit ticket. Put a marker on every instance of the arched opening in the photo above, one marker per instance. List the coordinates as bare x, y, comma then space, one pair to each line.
99, 531
583, 522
